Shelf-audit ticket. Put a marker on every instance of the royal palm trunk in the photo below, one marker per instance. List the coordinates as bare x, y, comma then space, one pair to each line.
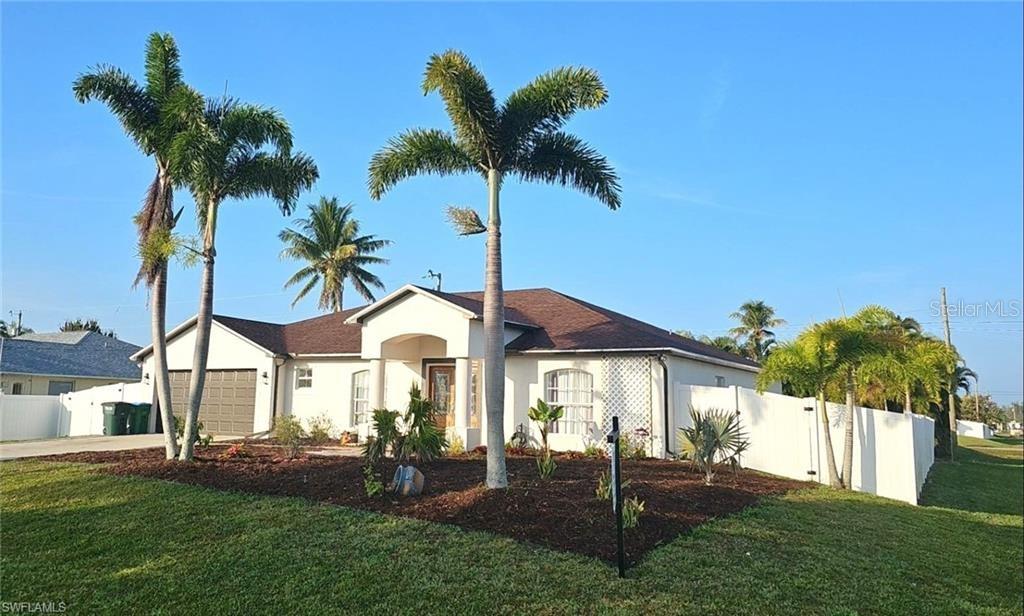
158, 324
204, 323
851, 410
158, 320
494, 340
830, 457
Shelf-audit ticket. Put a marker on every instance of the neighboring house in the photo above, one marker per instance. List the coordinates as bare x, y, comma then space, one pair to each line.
61, 362
593, 361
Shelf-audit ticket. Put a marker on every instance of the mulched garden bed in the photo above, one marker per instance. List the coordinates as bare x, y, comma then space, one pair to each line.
561, 513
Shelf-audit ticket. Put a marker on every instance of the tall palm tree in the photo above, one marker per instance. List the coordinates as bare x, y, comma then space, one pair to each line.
238, 151
754, 333
521, 138
152, 116
330, 244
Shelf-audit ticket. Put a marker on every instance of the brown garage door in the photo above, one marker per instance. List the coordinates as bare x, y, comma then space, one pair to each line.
229, 400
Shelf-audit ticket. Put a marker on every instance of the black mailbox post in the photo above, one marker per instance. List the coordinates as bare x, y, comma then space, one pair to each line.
613, 439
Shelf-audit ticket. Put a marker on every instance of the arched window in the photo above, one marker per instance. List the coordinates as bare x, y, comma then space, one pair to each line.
574, 390
360, 397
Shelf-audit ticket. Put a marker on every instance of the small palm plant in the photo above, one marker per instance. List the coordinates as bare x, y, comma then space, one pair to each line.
545, 414
423, 440
716, 436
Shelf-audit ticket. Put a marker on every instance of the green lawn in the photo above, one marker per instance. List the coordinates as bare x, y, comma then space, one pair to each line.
105, 544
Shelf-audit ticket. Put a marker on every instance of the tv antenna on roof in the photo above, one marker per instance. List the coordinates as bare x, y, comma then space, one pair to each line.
432, 274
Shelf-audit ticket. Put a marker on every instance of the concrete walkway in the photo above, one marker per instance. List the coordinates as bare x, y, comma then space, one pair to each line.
27, 449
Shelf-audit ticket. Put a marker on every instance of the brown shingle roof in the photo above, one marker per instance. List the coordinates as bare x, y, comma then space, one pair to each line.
555, 322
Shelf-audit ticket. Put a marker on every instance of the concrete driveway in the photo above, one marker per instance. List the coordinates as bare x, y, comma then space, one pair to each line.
28, 449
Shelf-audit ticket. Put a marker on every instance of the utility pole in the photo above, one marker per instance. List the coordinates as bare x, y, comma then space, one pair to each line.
951, 384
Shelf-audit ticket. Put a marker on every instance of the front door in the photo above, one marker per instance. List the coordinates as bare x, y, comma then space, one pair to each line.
441, 392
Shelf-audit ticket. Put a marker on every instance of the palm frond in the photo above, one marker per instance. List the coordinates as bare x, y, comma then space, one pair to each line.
558, 158
546, 103
416, 152
468, 99
125, 98
163, 68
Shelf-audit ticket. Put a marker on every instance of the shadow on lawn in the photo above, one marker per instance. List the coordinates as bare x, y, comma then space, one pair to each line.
979, 481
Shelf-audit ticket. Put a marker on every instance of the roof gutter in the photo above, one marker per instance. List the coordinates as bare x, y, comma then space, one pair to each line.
669, 350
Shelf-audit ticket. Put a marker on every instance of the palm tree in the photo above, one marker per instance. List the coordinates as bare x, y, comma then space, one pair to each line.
152, 116
333, 250
757, 320
520, 138
725, 343
238, 151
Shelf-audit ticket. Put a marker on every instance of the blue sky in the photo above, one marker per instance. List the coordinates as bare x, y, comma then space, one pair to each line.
804, 154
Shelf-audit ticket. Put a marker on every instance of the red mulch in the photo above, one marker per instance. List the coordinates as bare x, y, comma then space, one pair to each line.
561, 513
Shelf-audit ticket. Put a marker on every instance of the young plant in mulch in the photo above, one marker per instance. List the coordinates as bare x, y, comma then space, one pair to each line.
594, 450
604, 486
234, 452
371, 482
632, 507
545, 415
289, 434
716, 436
423, 441
455, 446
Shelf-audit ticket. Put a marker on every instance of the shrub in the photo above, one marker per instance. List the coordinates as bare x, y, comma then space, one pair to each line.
289, 433
206, 440
347, 438
604, 486
632, 447
546, 465
371, 482
716, 436
320, 429
545, 415
594, 450
631, 509
423, 440
456, 446
480, 450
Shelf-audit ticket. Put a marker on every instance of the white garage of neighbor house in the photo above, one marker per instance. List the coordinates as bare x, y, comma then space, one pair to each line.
593, 361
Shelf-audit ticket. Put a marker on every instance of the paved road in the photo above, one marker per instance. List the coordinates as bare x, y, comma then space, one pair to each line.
26, 449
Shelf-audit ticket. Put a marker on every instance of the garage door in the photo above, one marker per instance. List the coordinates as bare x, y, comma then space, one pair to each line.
229, 400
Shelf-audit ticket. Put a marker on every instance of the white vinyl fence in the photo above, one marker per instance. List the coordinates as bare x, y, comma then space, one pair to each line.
24, 417
892, 452
78, 413
973, 428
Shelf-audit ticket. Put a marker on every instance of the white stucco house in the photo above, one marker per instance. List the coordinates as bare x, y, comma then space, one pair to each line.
593, 361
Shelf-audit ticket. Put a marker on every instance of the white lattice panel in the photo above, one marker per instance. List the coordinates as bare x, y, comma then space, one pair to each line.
626, 387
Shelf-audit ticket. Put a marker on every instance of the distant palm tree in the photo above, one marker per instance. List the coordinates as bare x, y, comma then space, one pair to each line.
724, 343
238, 151
522, 138
152, 116
754, 333
12, 329
330, 244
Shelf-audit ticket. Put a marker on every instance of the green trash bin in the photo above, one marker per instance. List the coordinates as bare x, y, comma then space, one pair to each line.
115, 418
138, 418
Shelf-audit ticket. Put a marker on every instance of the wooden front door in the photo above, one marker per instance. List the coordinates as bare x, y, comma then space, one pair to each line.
441, 392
